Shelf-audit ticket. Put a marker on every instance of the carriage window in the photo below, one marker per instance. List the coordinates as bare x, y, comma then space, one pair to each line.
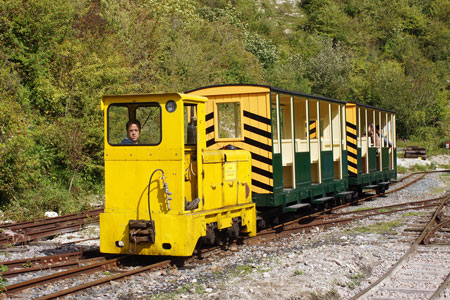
145, 115
229, 120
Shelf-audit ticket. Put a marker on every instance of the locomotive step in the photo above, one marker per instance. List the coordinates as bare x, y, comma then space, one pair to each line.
370, 187
343, 194
321, 200
297, 206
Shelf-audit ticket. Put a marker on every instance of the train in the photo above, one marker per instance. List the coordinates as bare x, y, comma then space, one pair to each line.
218, 162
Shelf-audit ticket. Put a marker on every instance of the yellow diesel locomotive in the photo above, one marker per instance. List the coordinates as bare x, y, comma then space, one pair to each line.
165, 192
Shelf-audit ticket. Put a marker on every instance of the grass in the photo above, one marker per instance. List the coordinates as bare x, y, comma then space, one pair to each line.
414, 214
3, 281
361, 209
445, 177
438, 190
27, 264
243, 270
193, 288
330, 295
355, 280
380, 228
367, 208
416, 168
262, 270
386, 210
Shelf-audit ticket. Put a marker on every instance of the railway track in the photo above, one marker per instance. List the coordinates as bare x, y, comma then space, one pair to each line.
424, 271
78, 266
24, 232
332, 216
305, 223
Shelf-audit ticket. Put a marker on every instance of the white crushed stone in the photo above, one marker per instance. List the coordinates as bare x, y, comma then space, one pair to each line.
438, 160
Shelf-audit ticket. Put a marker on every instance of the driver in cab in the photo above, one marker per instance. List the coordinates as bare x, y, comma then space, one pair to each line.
133, 132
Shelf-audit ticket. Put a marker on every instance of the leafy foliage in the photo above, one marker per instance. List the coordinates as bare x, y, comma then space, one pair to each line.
58, 58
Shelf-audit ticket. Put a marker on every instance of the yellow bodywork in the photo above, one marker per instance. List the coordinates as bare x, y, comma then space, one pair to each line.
254, 104
220, 179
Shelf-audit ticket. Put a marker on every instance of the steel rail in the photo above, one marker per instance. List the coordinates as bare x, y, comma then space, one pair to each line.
294, 227
42, 260
387, 207
358, 201
62, 265
411, 250
100, 266
27, 224
406, 184
75, 289
31, 230
323, 214
426, 239
441, 288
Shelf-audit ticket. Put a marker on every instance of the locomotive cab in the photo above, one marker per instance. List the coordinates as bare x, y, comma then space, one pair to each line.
156, 200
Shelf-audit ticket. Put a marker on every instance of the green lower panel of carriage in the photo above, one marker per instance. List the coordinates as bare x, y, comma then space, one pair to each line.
307, 188
373, 171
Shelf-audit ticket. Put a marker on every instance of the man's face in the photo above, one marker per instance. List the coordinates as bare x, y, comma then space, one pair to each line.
133, 133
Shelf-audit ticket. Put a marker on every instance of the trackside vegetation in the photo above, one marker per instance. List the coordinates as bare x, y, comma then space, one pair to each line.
57, 59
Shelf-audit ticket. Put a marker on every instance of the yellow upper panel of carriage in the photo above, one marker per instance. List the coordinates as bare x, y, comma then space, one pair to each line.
230, 90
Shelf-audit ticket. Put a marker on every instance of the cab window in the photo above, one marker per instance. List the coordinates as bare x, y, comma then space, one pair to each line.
190, 124
147, 115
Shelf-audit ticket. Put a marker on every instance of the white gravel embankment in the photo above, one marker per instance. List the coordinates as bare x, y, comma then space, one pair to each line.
333, 263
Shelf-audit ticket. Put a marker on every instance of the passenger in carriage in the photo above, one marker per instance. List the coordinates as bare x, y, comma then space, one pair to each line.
374, 136
377, 129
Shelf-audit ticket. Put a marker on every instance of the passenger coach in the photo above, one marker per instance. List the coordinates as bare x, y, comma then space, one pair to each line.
306, 150
371, 145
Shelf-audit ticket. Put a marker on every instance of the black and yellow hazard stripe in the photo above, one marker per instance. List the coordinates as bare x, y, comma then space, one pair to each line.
313, 129
262, 170
352, 149
259, 145
209, 121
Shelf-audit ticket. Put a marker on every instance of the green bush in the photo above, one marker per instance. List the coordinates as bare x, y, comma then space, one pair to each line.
58, 58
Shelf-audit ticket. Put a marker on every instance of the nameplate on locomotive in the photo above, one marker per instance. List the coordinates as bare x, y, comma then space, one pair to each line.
230, 171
